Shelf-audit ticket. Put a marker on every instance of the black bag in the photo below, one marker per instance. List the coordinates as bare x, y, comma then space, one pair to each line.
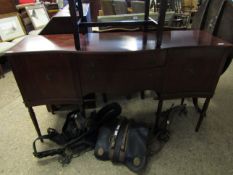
79, 134
74, 126
123, 142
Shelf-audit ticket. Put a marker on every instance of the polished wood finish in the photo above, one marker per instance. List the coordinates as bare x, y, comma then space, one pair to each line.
50, 75
202, 114
34, 120
49, 70
117, 42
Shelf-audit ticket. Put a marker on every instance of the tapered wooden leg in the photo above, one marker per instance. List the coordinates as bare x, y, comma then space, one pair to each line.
34, 120
1, 72
195, 103
157, 115
128, 97
142, 94
182, 101
105, 98
50, 108
83, 110
202, 114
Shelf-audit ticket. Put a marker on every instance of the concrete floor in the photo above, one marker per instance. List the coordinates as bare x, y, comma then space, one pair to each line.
209, 152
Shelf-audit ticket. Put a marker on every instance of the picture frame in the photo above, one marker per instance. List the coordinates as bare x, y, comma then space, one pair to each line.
38, 15
11, 27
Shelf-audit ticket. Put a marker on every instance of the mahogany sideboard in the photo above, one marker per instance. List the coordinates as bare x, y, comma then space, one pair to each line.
49, 70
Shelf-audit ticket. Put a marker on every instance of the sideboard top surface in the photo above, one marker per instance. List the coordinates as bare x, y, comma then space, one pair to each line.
116, 42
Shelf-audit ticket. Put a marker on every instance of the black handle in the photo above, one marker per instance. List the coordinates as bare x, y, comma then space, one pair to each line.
47, 153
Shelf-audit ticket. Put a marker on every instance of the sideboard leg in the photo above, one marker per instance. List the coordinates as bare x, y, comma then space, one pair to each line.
195, 103
128, 97
83, 109
157, 115
50, 108
1, 72
202, 114
34, 120
142, 94
105, 98
182, 101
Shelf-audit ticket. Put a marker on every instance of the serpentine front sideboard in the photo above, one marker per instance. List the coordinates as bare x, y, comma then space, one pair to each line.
49, 70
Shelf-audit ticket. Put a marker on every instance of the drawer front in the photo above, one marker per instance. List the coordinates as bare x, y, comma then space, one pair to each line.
45, 78
122, 61
121, 82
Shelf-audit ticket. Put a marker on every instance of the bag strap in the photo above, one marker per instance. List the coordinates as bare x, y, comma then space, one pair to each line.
124, 144
46, 153
67, 152
118, 142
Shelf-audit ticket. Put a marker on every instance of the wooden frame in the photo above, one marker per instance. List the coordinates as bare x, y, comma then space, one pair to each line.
11, 27
38, 15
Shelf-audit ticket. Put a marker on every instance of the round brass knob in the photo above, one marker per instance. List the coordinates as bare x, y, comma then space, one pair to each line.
136, 161
100, 152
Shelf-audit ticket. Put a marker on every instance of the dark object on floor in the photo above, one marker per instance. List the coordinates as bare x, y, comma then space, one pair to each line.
165, 121
123, 142
2, 61
1, 72
79, 134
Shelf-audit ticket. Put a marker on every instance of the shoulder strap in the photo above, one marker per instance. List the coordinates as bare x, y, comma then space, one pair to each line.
46, 153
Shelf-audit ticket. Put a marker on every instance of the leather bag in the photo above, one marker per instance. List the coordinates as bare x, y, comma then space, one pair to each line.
124, 141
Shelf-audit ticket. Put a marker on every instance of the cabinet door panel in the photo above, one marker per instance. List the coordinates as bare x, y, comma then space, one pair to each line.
193, 69
45, 78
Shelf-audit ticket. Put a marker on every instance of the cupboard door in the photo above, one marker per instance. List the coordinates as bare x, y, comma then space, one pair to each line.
45, 78
193, 70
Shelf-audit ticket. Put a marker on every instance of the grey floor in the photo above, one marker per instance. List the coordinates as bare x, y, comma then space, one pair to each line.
209, 152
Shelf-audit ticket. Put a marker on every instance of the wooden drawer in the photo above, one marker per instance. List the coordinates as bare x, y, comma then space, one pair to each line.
121, 82
122, 61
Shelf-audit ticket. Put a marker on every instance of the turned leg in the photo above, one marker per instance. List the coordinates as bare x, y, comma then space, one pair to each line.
157, 115
128, 97
142, 94
105, 98
50, 108
83, 110
1, 72
34, 120
202, 114
195, 103
182, 101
